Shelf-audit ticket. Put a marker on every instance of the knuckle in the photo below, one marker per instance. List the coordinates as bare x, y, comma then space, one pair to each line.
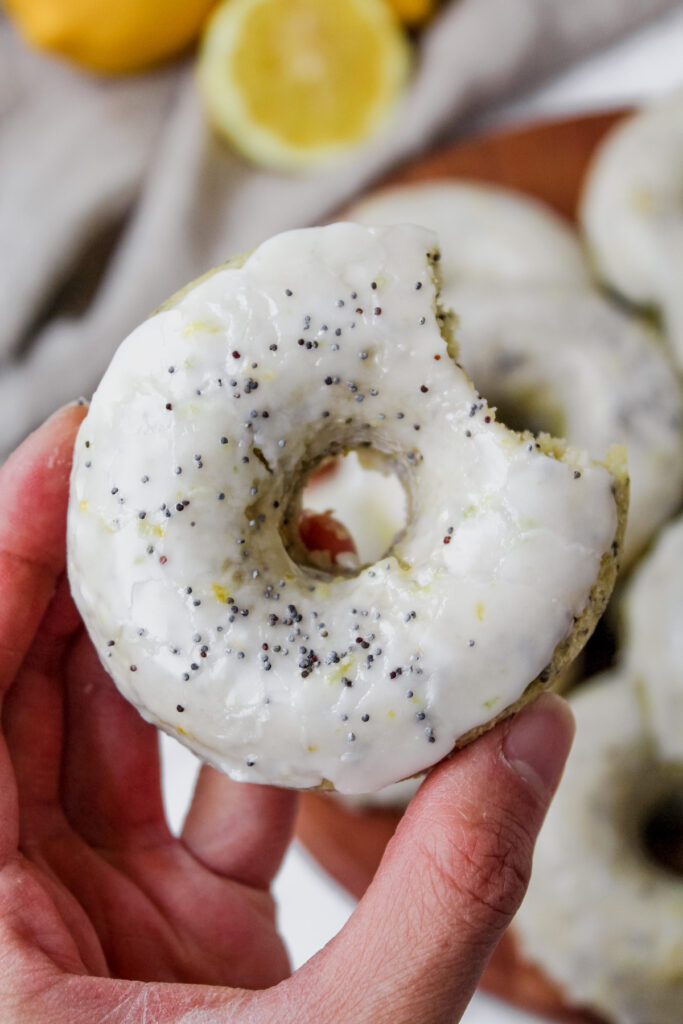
500, 865
485, 860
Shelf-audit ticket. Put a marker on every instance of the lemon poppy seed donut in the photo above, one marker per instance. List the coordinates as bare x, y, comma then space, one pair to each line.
184, 556
653, 633
632, 212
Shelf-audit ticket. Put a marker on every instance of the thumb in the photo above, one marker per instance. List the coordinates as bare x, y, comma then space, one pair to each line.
452, 877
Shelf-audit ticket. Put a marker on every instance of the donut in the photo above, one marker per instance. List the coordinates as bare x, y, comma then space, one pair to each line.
574, 364
632, 212
487, 234
653, 631
185, 560
603, 916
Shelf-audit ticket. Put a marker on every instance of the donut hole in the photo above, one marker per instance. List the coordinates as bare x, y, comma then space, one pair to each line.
366, 497
662, 832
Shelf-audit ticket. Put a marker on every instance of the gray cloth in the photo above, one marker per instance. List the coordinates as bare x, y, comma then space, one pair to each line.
113, 192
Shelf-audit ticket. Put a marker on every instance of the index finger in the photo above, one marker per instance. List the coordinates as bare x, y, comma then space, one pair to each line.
34, 487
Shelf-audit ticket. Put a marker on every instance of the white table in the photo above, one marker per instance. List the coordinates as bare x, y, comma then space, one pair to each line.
312, 908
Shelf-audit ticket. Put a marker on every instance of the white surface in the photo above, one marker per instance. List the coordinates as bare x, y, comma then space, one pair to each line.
312, 909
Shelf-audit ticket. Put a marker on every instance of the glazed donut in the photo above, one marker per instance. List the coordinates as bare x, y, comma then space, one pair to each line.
573, 364
632, 212
603, 919
186, 564
653, 614
487, 234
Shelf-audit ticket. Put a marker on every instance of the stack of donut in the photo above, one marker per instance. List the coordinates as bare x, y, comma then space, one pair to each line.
600, 935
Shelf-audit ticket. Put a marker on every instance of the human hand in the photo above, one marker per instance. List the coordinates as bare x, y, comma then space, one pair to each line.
105, 917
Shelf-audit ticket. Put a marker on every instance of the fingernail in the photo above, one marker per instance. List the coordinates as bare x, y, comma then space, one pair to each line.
538, 740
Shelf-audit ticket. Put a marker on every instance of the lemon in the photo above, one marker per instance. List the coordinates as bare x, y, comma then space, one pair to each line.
125, 35
293, 83
414, 12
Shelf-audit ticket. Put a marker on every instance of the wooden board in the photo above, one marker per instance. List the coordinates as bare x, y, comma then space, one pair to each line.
547, 161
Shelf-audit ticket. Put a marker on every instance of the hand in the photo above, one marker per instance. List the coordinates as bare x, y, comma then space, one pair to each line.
106, 917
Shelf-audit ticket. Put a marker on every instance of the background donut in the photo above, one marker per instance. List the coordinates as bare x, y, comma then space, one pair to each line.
569, 362
653, 634
603, 917
632, 212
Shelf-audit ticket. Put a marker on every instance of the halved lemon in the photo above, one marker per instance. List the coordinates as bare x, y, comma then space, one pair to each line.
294, 83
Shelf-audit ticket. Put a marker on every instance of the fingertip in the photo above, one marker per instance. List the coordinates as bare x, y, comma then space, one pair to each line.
42, 463
35, 485
240, 829
55, 436
537, 742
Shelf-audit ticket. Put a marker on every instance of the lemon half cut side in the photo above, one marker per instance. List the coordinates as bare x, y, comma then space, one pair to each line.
295, 83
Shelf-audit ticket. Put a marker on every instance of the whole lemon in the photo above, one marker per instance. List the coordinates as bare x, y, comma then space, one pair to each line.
120, 36
414, 12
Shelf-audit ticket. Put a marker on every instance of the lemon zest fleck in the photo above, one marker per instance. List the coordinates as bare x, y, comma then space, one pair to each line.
200, 327
221, 592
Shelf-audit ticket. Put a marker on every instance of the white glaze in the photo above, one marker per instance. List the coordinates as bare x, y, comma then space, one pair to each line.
528, 530
587, 372
654, 637
632, 211
486, 233
601, 918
